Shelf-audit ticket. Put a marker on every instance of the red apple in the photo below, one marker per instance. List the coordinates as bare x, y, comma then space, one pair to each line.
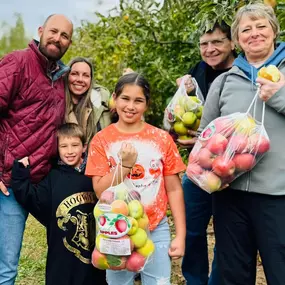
217, 144
224, 126
244, 161
135, 262
238, 143
99, 260
193, 169
258, 144
223, 166
210, 182
107, 197
205, 158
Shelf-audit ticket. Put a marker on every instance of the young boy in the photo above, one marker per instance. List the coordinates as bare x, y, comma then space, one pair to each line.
63, 202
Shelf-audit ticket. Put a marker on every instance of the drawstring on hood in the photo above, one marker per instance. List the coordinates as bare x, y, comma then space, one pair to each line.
251, 71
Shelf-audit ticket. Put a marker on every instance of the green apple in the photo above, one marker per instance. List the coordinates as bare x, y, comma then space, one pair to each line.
196, 125
134, 227
139, 238
143, 222
135, 209
195, 99
97, 212
121, 192
199, 112
178, 112
185, 137
189, 119
180, 129
147, 249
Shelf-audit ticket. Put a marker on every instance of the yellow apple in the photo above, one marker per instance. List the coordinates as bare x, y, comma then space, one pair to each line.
134, 227
139, 238
147, 249
135, 209
143, 222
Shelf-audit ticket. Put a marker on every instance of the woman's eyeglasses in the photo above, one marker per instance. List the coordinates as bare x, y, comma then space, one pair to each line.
216, 43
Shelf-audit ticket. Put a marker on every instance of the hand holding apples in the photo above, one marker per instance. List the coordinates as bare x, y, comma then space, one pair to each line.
128, 154
271, 81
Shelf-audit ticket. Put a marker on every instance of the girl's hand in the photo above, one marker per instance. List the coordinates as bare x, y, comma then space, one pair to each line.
269, 88
128, 154
24, 161
177, 248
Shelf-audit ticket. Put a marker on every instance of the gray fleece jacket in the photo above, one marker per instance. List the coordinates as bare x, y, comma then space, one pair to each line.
236, 94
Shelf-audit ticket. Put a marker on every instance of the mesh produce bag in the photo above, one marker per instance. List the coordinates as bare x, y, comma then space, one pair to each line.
184, 112
122, 236
228, 147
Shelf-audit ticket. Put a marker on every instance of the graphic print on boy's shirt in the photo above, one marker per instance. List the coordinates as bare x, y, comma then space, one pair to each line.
157, 157
79, 226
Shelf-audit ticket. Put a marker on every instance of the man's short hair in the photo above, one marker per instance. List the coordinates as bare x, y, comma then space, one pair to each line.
225, 28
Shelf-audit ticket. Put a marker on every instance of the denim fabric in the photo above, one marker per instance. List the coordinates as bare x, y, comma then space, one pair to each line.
12, 224
158, 270
195, 264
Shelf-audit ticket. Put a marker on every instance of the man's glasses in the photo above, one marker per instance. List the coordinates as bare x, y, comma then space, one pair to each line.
215, 43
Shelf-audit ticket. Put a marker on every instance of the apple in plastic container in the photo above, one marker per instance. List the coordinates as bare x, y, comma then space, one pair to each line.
135, 262
205, 158
258, 144
139, 238
224, 126
107, 197
217, 144
99, 260
193, 169
244, 161
223, 166
210, 181
136, 209
238, 143
116, 262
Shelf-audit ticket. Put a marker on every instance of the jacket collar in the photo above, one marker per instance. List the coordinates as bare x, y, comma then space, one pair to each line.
53, 69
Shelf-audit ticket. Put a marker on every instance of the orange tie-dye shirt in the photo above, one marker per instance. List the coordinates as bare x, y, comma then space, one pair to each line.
157, 157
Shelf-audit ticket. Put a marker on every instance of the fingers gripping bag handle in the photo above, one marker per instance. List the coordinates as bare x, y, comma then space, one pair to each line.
227, 148
122, 236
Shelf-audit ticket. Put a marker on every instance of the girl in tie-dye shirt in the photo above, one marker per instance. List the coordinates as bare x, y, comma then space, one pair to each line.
150, 162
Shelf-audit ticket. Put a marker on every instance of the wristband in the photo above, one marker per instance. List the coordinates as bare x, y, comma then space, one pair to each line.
126, 166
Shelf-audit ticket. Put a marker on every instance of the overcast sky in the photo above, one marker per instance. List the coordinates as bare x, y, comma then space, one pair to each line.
34, 12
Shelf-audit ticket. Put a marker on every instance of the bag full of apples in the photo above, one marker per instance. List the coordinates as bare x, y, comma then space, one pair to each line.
184, 112
122, 236
228, 147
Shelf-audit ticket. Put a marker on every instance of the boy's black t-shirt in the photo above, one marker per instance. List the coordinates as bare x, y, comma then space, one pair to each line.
63, 202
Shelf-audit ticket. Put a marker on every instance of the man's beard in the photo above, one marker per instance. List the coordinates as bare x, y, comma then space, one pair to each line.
53, 57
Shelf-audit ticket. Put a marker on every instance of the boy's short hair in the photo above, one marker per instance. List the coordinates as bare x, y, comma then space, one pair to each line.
71, 130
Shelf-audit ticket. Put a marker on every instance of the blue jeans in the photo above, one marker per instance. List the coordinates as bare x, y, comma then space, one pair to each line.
12, 224
158, 270
195, 264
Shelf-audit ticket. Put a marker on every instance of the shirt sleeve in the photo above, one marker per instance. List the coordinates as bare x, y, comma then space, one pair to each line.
172, 163
97, 161
9, 80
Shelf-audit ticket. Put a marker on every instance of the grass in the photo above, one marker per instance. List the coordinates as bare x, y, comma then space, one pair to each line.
33, 257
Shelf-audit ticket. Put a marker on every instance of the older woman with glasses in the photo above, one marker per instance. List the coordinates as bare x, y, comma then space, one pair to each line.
249, 216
